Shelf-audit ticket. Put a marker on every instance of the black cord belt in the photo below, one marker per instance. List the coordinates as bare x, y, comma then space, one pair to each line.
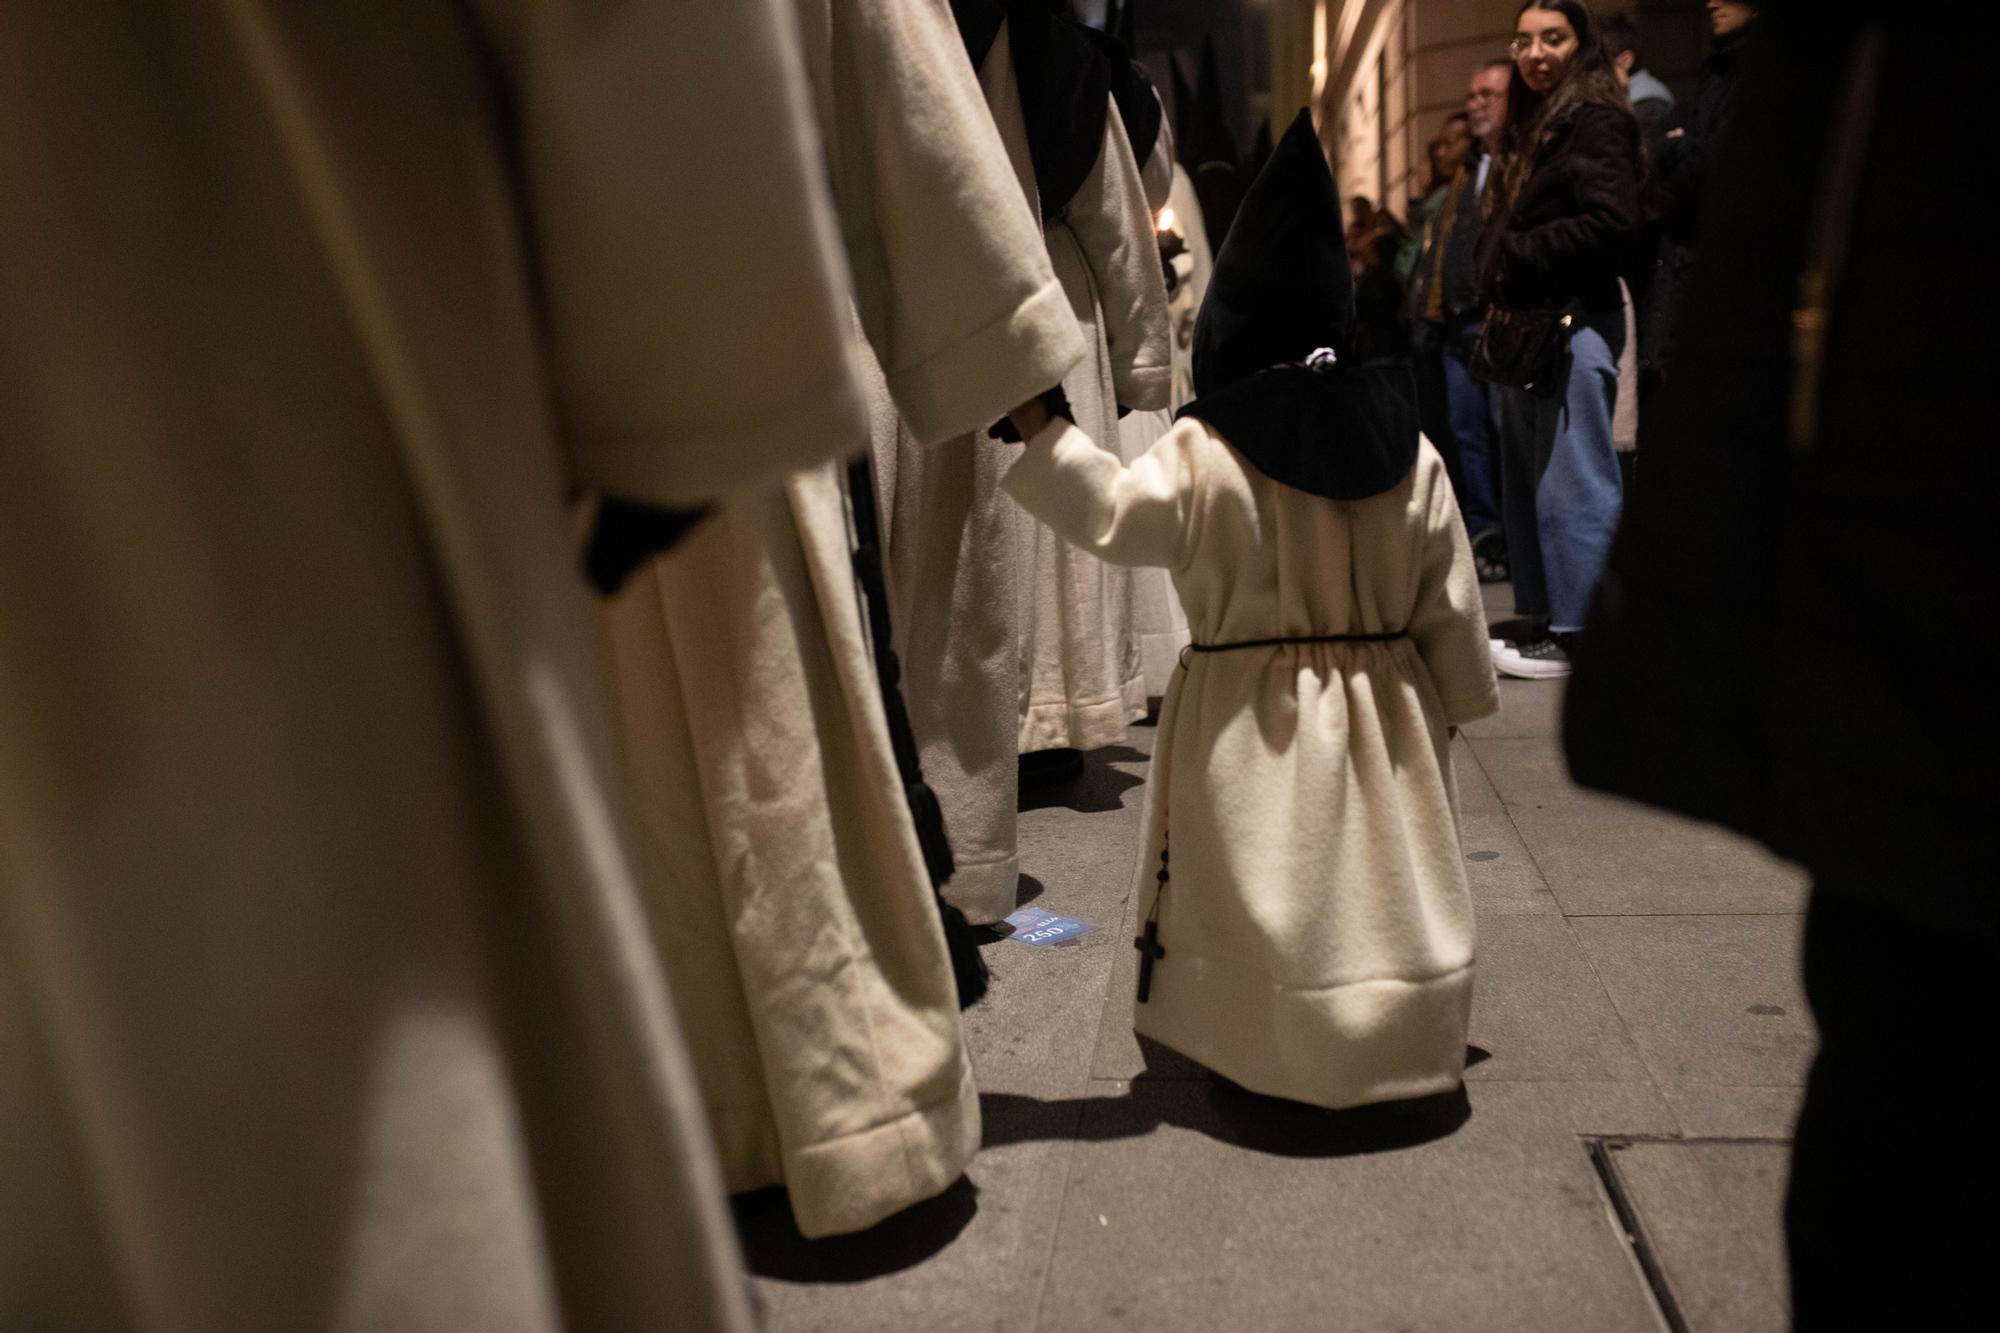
1388, 637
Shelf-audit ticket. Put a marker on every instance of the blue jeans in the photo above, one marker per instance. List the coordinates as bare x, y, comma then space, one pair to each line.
1471, 408
1562, 487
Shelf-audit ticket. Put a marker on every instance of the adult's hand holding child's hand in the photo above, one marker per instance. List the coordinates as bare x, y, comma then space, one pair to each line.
1029, 418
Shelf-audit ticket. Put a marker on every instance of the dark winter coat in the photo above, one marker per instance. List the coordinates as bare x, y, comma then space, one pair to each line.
1680, 173
1786, 637
1563, 239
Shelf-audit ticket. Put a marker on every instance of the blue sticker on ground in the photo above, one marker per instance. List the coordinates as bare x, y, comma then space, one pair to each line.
1043, 929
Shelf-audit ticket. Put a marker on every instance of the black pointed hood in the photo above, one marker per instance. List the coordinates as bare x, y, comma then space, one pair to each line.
1260, 148
1217, 142
1184, 116
1281, 286
1132, 91
1210, 152
1281, 292
1065, 86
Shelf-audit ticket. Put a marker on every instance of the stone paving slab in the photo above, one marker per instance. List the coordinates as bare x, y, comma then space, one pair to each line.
1036, 1033
971, 1263
1540, 1011
1120, 1054
1712, 1214
1602, 856
1476, 793
1707, 1110
1711, 1001
1499, 869
1193, 1206
1527, 708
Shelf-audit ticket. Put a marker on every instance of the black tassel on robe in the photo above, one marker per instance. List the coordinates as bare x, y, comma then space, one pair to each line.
967, 967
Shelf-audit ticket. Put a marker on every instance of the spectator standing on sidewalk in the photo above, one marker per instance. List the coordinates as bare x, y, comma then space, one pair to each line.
1446, 304
1566, 209
1652, 101
1680, 174
1445, 153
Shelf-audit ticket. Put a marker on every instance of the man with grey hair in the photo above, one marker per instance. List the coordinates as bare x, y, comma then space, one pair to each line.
1447, 287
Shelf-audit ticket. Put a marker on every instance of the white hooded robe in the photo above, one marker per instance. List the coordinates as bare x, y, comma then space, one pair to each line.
1157, 618
1316, 923
325, 997
964, 319
1081, 680
794, 907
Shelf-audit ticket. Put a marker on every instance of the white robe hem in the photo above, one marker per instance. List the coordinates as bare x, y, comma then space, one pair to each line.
985, 890
1378, 1040
1062, 724
851, 1182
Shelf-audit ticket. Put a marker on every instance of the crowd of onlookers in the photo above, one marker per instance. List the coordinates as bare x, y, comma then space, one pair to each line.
1534, 285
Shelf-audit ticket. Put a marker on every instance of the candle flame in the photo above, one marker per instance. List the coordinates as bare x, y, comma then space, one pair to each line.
1167, 219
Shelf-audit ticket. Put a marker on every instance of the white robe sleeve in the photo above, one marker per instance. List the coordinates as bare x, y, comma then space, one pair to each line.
952, 279
1448, 624
1141, 513
695, 297
1115, 229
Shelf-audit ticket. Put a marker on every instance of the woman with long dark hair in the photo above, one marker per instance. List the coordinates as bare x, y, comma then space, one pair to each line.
1566, 209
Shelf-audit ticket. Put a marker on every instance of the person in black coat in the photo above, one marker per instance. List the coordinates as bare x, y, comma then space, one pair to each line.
1566, 210
1815, 505
1681, 164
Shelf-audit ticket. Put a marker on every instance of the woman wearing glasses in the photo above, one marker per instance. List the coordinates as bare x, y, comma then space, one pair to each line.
1567, 206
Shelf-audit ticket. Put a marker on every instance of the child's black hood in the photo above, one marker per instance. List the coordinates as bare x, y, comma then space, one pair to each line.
1282, 295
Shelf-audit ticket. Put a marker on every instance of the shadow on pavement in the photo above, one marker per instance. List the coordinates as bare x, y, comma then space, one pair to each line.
1231, 1115
773, 1247
1089, 786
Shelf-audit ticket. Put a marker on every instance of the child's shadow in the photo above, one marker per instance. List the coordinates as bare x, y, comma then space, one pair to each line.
1227, 1113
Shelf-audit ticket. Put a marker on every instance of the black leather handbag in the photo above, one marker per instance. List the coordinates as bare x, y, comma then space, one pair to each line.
1523, 349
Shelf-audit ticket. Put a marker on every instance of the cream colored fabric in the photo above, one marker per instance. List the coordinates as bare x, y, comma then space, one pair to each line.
959, 311
959, 303
794, 910
1081, 680
1157, 618
325, 997
1158, 624
1317, 926
1194, 267
1625, 411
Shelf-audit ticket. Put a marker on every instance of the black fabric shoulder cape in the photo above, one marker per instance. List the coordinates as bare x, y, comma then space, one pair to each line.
1345, 436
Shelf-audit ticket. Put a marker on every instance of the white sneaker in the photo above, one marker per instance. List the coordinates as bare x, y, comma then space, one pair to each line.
1544, 659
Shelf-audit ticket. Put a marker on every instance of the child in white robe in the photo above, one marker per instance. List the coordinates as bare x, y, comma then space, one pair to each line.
1307, 928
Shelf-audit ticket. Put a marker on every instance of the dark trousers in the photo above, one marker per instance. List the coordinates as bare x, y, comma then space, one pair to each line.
1515, 417
1891, 1213
1561, 488
1433, 405
1472, 425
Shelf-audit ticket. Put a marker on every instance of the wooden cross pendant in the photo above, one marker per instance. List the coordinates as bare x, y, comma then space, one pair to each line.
1149, 949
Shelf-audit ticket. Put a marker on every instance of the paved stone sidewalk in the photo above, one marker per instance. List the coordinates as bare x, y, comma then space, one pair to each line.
1638, 1029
